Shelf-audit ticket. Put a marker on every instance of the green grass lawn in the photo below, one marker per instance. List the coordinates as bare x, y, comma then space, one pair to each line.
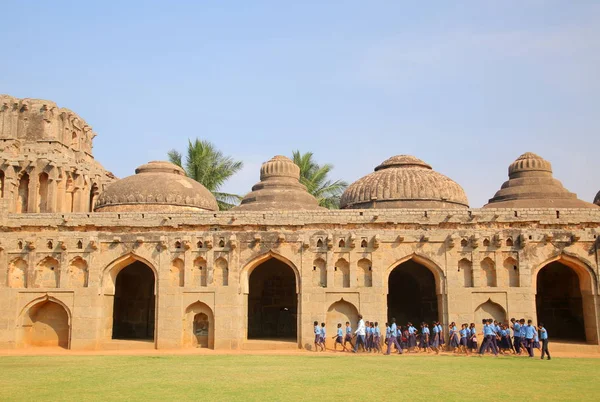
297, 377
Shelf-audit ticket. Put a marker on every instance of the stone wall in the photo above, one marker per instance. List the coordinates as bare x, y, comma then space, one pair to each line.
73, 259
46, 162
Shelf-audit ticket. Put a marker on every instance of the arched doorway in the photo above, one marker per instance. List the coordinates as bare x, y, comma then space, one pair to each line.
272, 301
134, 308
412, 294
559, 302
198, 326
340, 312
489, 309
45, 324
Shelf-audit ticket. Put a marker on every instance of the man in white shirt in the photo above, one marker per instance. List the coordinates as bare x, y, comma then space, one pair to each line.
360, 334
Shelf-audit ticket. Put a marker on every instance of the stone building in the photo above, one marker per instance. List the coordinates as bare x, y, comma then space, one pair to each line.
157, 263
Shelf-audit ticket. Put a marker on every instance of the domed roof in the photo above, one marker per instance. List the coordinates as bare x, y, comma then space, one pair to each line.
531, 185
279, 189
597, 199
157, 186
404, 181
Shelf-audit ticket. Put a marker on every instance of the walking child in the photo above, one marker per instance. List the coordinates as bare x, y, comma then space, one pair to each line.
348, 337
317, 337
544, 339
338, 338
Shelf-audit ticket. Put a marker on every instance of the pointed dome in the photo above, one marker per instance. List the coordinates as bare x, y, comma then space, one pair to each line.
531, 185
279, 189
404, 181
156, 187
597, 199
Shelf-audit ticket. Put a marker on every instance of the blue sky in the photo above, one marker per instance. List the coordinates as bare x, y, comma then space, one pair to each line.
467, 86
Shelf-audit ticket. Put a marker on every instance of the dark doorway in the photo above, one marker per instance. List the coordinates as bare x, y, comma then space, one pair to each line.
411, 294
272, 302
133, 310
559, 303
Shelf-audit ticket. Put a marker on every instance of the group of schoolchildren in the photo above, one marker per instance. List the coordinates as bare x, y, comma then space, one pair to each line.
496, 337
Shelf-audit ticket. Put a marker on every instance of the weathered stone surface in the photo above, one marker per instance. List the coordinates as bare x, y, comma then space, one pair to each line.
185, 270
156, 186
279, 189
531, 185
404, 181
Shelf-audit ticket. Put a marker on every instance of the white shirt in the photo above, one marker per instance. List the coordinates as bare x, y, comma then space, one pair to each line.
361, 328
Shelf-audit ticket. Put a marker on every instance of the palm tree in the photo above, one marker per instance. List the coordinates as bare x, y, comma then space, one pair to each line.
314, 177
208, 166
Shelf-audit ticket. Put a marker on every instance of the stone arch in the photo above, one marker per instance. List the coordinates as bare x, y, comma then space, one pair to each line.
465, 267
511, 266
176, 273
341, 274
17, 273
490, 309
43, 202
111, 271
45, 321
426, 278
256, 261
566, 292
435, 269
78, 273
198, 326
365, 273
340, 312
134, 303
221, 272
200, 272
270, 285
319, 273
488, 267
46, 273
22, 200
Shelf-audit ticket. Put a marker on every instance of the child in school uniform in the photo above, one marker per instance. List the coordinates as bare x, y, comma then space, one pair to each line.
529, 336
388, 333
317, 337
372, 337
544, 337
488, 334
425, 333
441, 339
463, 343
412, 337
434, 343
339, 338
393, 340
404, 342
453, 337
522, 335
323, 335
377, 338
536, 339
348, 337
504, 337
473, 338
368, 336
516, 344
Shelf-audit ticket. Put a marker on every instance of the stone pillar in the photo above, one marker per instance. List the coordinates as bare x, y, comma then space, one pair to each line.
478, 277
34, 182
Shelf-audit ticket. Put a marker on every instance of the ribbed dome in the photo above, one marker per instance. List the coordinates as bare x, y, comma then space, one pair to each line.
157, 186
531, 185
404, 181
279, 189
597, 199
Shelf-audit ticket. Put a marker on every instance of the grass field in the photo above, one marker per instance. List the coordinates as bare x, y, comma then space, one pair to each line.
322, 377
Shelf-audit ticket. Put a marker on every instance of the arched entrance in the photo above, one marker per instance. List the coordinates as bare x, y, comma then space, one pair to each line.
198, 326
489, 309
272, 301
559, 302
340, 312
45, 324
412, 294
134, 308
